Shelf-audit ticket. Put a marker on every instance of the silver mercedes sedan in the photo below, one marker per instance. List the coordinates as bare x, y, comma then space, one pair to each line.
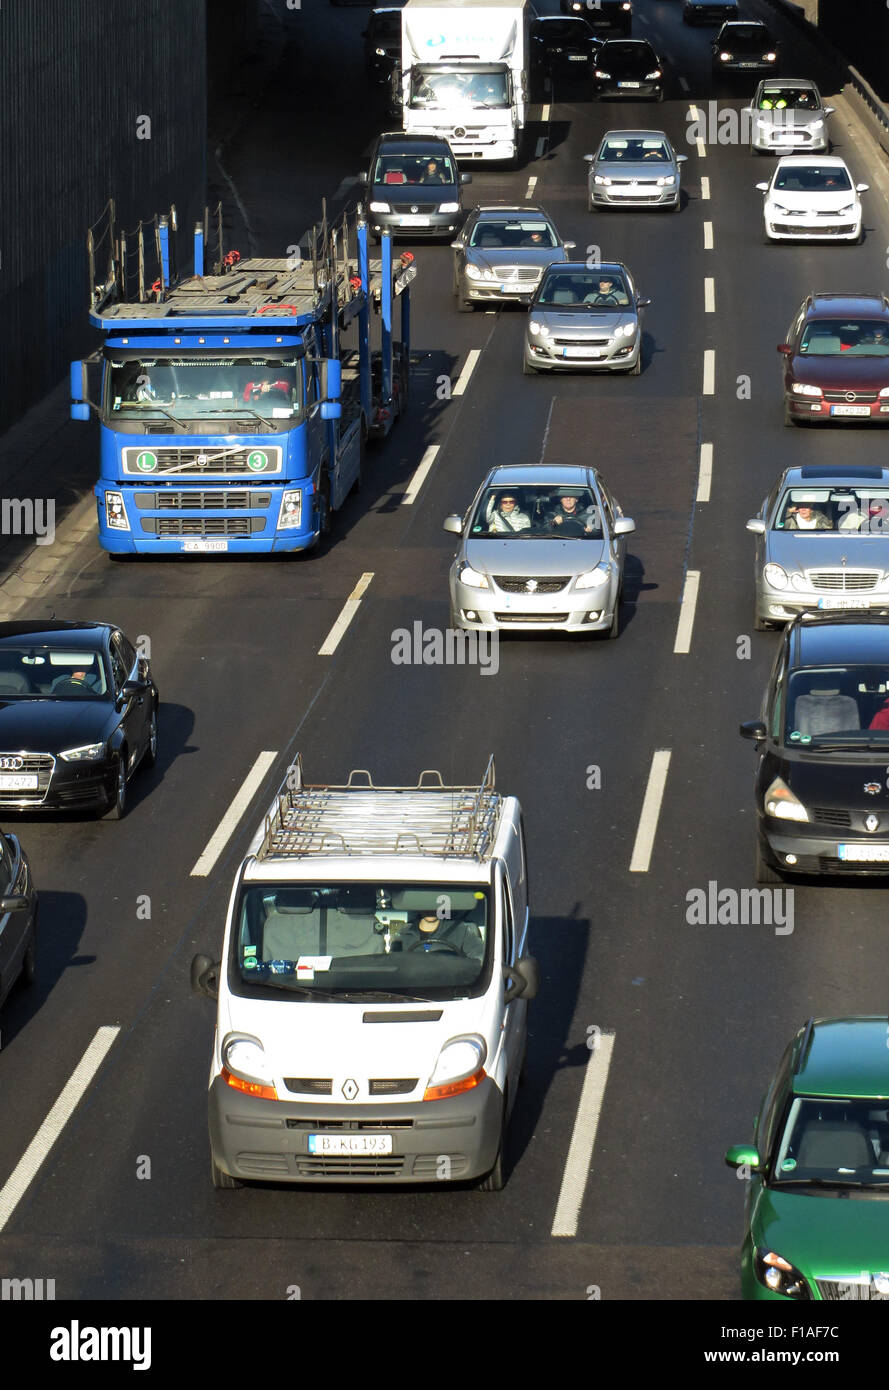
634, 169
583, 318
541, 548
501, 253
822, 543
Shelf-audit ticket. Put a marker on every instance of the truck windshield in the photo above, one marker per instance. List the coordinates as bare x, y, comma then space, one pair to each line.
198, 388
435, 90
395, 939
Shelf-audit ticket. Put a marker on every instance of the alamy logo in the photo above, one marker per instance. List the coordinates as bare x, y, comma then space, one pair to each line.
27, 1290
745, 907
76, 1343
432, 646
28, 516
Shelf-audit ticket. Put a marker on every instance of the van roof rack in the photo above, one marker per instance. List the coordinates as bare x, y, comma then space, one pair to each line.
361, 818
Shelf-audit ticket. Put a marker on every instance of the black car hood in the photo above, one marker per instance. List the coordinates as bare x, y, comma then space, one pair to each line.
838, 780
402, 196
50, 726
626, 69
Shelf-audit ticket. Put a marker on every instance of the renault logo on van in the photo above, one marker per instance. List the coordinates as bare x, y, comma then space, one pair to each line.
350, 1089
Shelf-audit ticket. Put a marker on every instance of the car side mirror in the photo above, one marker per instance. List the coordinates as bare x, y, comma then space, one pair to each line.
681, 158
525, 977
205, 976
569, 245
589, 158
13, 904
862, 187
456, 246
785, 349
466, 178
130, 689
623, 525
746, 110
362, 177
829, 110
754, 729
757, 526
642, 303
454, 524
742, 1156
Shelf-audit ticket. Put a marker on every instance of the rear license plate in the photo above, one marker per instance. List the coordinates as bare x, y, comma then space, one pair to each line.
203, 547
629, 84
18, 781
345, 1145
581, 352
850, 410
864, 854
409, 219
844, 603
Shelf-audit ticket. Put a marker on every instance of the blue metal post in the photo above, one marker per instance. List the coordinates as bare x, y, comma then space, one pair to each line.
405, 333
364, 324
386, 319
199, 248
163, 236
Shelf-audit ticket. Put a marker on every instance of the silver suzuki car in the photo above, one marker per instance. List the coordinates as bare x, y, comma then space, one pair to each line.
583, 318
634, 169
822, 543
542, 548
502, 252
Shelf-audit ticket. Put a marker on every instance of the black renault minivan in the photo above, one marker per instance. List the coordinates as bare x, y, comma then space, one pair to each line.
414, 187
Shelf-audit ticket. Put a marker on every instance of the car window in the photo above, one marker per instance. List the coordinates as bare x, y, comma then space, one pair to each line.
812, 178
632, 151
846, 337
508, 927
773, 1106
407, 167
777, 98
514, 234
531, 512
834, 1140
5, 866
119, 671
807, 509
127, 651
33, 671
836, 707
569, 289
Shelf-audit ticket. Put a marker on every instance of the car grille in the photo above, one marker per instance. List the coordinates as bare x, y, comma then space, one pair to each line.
525, 274
582, 342
545, 618
518, 584
197, 500
185, 461
841, 229
847, 581
202, 525
411, 208
309, 1085
826, 815
393, 1086
41, 763
350, 1166
340, 1126
628, 183
834, 1290
860, 397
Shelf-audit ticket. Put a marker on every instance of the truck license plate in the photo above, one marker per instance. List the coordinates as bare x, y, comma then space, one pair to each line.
203, 547
345, 1145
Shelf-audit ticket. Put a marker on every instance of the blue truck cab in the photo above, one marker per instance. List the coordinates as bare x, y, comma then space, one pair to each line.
233, 416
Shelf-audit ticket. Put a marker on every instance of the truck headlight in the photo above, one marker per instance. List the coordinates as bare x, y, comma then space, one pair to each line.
779, 1275
460, 1067
780, 802
290, 515
775, 576
378, 207
594, 579
472, 579
86, 753
245, 1068
115, 514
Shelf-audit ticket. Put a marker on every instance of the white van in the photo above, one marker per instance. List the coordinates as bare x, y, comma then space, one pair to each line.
373, 988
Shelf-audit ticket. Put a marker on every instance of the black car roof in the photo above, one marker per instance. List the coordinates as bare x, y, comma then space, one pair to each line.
402, 137
56, 633
835, 641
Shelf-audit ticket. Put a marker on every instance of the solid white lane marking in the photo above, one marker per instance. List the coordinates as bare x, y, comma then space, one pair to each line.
709, 372
583, 1138
682, 645
705, 187
468, 367
651, 809
232, 818
350, 608
705, 475
708, 236
683, 83
35, 1154
532, 184
419, 477
709, 295
541, 146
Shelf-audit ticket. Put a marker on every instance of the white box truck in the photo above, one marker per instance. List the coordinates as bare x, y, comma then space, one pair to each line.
464, 66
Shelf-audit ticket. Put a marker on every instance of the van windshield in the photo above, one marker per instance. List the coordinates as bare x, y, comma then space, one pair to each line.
395, 939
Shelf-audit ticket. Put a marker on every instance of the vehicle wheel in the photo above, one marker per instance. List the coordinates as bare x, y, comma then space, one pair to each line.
636, 369
614, 630
860, 237
761, 624
789, 420
495, 1181
324, 505
118, 808
150, 757
29, 964
528, 369
764, 871
222, 1181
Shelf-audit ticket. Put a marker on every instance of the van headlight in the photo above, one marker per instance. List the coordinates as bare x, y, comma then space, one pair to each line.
378, 207
460, 1067
780, 802
245, 1066
449, 207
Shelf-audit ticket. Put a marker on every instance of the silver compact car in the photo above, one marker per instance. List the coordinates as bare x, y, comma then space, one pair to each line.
501, 254
634, 169
583, 318
787, 115
822, 543
541, 548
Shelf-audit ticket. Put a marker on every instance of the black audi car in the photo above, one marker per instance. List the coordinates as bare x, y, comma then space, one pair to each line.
78, 716
18, 917
628, 68
822, 742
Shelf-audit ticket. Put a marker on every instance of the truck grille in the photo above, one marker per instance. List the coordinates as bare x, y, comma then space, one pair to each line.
202, 525
41, 763
196, 500
847, 581
187, 461
518, 584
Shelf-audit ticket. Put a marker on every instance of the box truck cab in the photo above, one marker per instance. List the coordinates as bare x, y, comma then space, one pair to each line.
372, 992
464, 70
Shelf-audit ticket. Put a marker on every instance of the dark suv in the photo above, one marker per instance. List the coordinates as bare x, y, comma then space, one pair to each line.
413, 187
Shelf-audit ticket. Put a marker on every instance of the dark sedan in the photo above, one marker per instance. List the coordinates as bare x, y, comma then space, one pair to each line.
605, 16
628, 68
709, 11
78, 716
742, 46
822, 739
566, 46
382, 44
836, 360
18, 917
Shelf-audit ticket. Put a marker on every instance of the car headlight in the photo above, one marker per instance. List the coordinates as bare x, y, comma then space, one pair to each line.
380, 52
763, 122
769, 57
626, 330
779, 209
725, 57
779, 1275
378, 207
626, 5
245, 1067
816, 125
841, 212
290, 515
460, 1067
115, 514
884, 393
653, 76
594, 579
600, 178
600, 73
87, 753
538, 330
449, 207
775, 576
780, 802
666, 180
801, 388
472, 579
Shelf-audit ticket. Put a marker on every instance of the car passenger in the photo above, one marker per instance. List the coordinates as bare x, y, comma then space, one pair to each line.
881, 718
504, 516
433, 173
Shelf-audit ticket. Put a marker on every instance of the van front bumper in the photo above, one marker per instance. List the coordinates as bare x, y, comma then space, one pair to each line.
432, 1141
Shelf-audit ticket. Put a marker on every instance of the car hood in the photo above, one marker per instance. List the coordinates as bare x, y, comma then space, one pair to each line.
536, 556
825, 1236
815, 202
788, 116
836, 782
586, 320
842, 373
49, 726
626, 69
401, 198
827, 550
487, 258
641, 169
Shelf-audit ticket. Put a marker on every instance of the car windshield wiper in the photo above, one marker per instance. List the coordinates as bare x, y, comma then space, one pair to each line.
367, 996
829, 1182
841, 745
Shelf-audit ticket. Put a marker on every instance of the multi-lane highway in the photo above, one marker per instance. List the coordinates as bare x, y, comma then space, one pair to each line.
615, 1153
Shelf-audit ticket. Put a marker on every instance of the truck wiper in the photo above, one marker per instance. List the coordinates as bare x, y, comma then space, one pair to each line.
248, 410
169, 416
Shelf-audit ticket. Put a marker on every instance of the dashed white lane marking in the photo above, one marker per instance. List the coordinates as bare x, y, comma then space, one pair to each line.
419, 477
468, 367
705, 188
708, 236
682, 645
709, 384
583, 1137
36, 1153
532, 184
544, 113
709, 295
705, 474
350, 608
232, 818
683, 83
651, 809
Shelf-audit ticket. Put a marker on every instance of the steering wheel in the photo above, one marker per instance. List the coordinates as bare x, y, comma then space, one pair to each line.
569, 526
436, 945
606, 299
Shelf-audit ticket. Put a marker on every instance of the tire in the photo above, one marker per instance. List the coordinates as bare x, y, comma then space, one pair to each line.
223, 1182
614, 630
118, 808
29, 963
149, 757
764, 871
495, 1180
636, 369
789, 420
528, 369
465, 306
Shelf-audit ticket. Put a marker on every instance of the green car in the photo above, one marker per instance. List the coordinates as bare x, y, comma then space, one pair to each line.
818, 1196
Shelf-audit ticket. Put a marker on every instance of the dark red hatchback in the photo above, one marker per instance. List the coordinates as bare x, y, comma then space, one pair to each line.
836, 360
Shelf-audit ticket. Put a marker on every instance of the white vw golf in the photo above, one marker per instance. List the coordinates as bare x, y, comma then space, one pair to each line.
810, 198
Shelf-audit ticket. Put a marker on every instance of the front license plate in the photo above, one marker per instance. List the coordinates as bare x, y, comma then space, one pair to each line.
515, 289
345, 1145
629, 84
576, 57
581, 352
410, 219
18, 781
864, 854
850, 410
844, 603
203, 547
